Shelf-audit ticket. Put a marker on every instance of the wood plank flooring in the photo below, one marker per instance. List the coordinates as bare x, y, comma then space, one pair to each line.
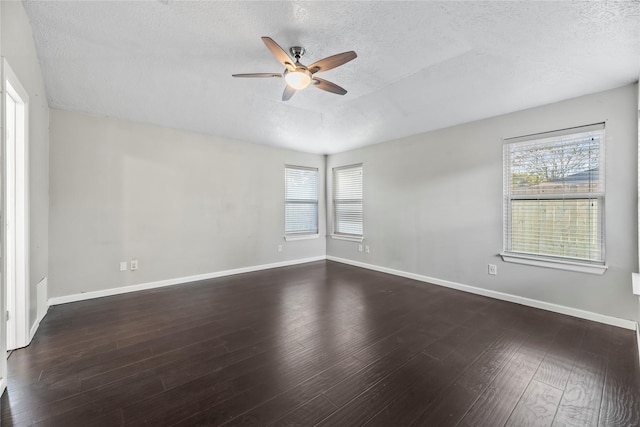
319, 344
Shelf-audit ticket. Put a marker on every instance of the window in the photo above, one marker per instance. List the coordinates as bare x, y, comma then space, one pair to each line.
554, 198
347, 201
301, 201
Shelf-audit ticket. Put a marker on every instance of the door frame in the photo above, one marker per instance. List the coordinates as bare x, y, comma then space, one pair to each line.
20, 301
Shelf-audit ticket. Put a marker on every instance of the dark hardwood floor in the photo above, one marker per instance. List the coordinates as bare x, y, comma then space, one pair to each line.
320, 344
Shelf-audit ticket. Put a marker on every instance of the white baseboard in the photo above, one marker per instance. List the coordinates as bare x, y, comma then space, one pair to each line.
570, 311
575, 312
42, 306
34, 329
176, 281
42, 298
3, 385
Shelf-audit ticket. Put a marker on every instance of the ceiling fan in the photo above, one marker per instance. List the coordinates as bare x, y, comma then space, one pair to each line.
299, 76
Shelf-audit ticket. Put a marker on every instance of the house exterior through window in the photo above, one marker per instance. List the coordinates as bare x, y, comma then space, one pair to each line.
554, 196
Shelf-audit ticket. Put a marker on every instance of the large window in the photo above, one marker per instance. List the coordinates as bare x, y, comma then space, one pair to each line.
301, 201
347, 201
554, 196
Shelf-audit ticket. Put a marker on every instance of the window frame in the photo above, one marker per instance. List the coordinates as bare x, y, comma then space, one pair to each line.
307, 234
548, 260
342, 235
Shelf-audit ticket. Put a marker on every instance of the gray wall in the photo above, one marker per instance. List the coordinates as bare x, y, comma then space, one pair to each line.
181, 203
433, 205
18, 48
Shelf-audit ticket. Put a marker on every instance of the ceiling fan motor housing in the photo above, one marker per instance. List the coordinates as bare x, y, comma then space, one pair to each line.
297, 52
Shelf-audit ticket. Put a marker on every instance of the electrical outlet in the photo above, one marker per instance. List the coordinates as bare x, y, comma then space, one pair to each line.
366, 249
279, 248
493, 269
123, 265
359, 248
134, 264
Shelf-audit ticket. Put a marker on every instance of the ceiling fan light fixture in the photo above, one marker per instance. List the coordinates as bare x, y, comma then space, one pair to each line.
298, 79
299, 76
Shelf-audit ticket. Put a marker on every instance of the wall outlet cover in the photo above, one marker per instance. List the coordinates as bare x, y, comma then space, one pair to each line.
493, 269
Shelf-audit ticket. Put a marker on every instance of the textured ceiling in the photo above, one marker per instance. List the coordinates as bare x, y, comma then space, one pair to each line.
420, 66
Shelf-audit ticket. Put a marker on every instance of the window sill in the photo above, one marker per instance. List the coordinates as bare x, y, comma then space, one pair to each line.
347, 238
552, 263
293, 237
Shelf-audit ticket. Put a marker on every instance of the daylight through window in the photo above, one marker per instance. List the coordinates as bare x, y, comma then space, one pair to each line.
554, 194
347, 201
301, 200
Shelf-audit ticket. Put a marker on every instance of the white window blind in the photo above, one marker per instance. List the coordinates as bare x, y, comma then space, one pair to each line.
301, 200
554, 194
347, 200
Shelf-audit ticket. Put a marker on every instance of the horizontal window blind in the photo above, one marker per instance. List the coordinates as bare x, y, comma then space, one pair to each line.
301, 200
347, 200
554, 194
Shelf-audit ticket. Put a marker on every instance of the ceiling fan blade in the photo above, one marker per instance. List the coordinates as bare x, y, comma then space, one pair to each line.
257, 75
279, 53
332, 62
288, 93
328, 86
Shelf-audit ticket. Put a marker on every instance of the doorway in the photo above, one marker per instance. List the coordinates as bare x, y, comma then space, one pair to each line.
16, 210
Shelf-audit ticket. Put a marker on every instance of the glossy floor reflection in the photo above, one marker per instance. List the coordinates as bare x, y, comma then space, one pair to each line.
320, 344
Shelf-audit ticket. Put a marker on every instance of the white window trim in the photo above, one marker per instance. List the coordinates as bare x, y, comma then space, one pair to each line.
353, 238
558, 264
566, 264
294, 237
